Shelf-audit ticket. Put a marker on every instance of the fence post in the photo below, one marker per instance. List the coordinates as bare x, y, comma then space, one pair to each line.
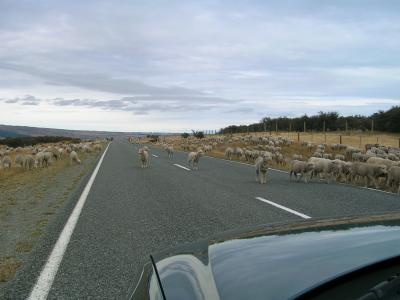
340, 139
360, 141
298, 138
377, 140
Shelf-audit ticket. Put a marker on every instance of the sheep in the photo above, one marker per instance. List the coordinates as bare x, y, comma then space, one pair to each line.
73, 157
393, 178
193, 159
170, 151
327, 155
297, 157
207, 148
321, 166
29, 162
228, 153
261, 165
368, 172
238, 152
19, 160
340, 157
300, 167
41, 159
6, 162
382, 161
143, 157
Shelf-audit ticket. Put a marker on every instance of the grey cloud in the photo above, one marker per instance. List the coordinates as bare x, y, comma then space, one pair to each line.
25, 100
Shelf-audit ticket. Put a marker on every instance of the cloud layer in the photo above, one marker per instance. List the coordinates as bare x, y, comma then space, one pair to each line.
207, 64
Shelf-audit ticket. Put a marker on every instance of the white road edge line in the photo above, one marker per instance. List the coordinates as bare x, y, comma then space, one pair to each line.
284, 208
49, 271
179, 166
154, 155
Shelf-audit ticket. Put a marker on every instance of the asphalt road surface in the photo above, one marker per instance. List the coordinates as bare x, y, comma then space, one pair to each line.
131, 212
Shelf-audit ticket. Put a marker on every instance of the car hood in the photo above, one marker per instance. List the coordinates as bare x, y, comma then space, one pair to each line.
270, 263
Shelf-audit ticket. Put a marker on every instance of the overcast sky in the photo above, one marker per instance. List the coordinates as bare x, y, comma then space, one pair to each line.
181, 65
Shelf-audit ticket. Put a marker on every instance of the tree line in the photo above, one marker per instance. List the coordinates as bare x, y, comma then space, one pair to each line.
387, 121
33, 140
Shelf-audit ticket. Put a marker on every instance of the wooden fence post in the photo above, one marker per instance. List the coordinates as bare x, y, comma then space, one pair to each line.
298, 138
340, 139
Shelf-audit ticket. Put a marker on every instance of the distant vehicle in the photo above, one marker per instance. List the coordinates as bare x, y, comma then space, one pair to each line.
310, 260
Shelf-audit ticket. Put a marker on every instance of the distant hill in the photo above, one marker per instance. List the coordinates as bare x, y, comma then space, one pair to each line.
18, 131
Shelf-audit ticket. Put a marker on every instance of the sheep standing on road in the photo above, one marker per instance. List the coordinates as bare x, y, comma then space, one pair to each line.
73, 156
193, 159
302, 168
144, 158
368, 172
261, 164
394, 178
170, 151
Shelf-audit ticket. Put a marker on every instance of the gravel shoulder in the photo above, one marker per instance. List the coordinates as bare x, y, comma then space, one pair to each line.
32, 206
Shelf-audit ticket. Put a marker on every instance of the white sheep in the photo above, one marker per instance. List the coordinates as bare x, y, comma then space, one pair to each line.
228, 153
193, 159
170, 151
300, 167
143, 157
261, 165
394, 178
6, 162
73, 157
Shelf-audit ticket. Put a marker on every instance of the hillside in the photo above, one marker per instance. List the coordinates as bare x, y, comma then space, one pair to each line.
16, 131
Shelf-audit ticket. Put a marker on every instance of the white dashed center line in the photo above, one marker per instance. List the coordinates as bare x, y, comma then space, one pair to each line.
284, 208
179, 166
155, 155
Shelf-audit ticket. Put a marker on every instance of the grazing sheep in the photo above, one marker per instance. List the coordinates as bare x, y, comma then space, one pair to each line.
43, 158
368, 172
143, 157
238, 152
300, 167
19, 160
394, 178
193, 159
261, 165
228, 153
29, 162
207, 148
170, 151
73, 157
6, 162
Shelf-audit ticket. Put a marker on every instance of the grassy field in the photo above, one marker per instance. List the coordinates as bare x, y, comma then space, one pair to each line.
29, 202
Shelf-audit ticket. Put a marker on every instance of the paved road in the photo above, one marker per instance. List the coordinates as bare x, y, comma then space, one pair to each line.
131, 212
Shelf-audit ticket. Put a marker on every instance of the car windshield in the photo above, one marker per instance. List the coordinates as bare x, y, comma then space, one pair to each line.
239, 143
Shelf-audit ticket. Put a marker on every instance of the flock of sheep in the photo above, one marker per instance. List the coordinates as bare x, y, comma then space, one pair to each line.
39, 156
375, 165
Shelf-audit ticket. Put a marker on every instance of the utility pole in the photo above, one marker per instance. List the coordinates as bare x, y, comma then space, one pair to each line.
346, 127
304, 126
276, 128
265, 128
372, 126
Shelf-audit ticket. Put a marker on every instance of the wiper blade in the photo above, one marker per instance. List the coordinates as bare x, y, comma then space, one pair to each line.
158, 277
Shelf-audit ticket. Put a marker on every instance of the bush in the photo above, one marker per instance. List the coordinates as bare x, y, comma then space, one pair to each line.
153, 138
198, 134
185, 135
